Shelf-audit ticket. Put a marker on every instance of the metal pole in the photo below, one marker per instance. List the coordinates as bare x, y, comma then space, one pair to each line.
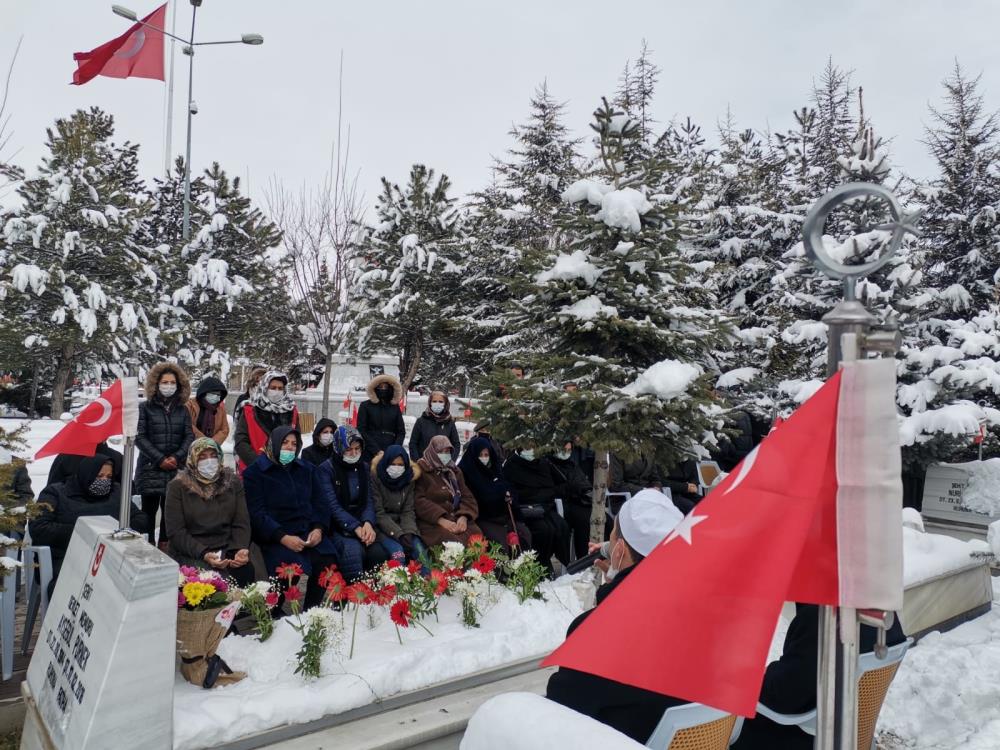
125, 509
168, 145
189, 51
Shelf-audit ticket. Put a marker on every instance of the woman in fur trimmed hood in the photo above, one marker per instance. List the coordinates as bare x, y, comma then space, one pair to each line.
380, 421
163, 439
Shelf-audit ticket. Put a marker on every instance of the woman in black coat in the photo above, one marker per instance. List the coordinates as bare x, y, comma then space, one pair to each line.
322, 444
577, 497
436, 420
481, 467
380, 421
537, 485
163, 439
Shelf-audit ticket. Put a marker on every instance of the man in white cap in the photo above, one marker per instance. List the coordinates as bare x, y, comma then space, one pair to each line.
641, 524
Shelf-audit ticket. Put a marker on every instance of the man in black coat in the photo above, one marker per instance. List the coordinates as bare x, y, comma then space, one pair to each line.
380, 421
790, 682
641, 524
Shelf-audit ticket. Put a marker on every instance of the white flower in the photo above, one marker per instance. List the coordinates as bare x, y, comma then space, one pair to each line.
206, 575
451, 553
258, 588
526, 556
473, 575
320, 617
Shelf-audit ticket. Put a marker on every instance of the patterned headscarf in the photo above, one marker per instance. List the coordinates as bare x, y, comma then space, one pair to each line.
258, 396
198, 447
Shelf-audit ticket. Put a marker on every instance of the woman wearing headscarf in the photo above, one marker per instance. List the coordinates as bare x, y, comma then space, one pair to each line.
347, 490
268, 408
436, 420
380, 421
208, 412
91, 491
288, 517
446, 510
499, 513
207, 519
393, 479
322, 444
163, 438
256, 373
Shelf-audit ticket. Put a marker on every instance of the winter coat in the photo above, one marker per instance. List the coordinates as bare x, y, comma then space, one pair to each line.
487, 483
790, 682
394, 509
578, 488
381, 424
21, 484
430, 424
202, 518
245, 447
70, 500
164, 430
677, 481
195, 405
65, 465
285, 500
634, 476
345, 514
317, 453
631, 710
535, 482
433, 500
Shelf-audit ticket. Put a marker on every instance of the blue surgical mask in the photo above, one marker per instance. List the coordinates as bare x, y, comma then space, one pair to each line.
213, 398
286, 457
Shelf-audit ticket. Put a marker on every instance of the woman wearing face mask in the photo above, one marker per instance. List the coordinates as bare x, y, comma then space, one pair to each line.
288, 516
163, 438
208, 412
206, 512
347, 490
446, 510
577, 497
322, 445
380, 421
268, 408
436, 420
496, 499
538, 484
393, 478
91, 491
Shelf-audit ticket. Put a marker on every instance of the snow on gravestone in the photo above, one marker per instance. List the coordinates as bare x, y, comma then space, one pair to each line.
102, 674
945, 495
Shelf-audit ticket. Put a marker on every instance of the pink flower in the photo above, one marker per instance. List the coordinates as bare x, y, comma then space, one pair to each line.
181, 601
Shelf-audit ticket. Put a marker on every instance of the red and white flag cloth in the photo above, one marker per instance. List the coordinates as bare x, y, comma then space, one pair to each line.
811, 515
116, 412
138, 53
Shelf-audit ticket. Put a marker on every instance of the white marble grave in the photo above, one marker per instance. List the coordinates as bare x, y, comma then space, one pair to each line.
102, 674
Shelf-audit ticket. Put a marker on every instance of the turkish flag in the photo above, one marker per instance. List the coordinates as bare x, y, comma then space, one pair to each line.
354, 415
138, 53
116, 412
811, 515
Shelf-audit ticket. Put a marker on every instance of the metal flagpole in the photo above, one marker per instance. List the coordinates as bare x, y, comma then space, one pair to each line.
189, 51
168, 137
852, 333
130, 418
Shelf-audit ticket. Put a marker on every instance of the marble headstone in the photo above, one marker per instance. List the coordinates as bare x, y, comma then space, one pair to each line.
102, 673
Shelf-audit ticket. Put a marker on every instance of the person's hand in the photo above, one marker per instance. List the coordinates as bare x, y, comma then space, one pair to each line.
508, 499
593, 547
314, 538
369, 534
447, 525
462, 524
241, 558
169, 463
215, 560
692, 489
294, 543
602, 565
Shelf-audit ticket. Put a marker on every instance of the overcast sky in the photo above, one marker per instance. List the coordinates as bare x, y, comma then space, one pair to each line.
441, 82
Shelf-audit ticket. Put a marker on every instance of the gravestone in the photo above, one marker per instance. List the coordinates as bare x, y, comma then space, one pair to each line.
942, 501
102, 673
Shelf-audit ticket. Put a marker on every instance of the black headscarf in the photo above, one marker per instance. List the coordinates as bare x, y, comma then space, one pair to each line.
273, 447
87, 472
391, 454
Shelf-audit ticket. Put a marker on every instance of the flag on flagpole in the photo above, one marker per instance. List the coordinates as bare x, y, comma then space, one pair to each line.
811, 515
116, 412
138, 53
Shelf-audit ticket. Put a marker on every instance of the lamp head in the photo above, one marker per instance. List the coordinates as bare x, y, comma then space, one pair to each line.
120, 10
254, 39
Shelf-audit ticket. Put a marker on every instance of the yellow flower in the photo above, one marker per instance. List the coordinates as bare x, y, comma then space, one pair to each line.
196, 591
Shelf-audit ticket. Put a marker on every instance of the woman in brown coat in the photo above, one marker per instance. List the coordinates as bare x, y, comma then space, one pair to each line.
208, 410
446, 510
206, 513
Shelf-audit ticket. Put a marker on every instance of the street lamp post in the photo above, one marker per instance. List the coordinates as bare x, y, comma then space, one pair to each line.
192, 108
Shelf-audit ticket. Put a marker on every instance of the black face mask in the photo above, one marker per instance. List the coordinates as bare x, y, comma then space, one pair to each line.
100, 487
384, 395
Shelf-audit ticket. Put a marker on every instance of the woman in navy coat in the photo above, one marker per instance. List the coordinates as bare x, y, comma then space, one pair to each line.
288, 516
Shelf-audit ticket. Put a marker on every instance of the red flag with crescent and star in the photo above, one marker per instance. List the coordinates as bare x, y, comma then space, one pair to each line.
811, 515
138, 53
116, 412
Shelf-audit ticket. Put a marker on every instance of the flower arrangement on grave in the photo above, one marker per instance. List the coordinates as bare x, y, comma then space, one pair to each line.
524, 574
206, 608
259, 600
319, 628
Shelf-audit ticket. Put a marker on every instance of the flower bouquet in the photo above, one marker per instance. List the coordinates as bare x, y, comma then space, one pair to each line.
205, 613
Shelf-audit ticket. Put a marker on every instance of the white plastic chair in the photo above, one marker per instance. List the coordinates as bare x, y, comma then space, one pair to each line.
625, 496
696, 726
874, 677
36, 593
7, 599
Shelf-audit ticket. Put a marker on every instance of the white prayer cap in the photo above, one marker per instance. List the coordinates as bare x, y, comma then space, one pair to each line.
646, 519
5, 456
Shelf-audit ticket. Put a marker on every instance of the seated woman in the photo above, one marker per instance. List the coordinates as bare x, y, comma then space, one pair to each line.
499, 512
346, 489
537, 485
91, 492
288, 516
393, 477
207, 520
446, 510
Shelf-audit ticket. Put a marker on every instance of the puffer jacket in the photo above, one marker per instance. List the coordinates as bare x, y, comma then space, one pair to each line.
429, 425
164, 430
394, 508
381, 423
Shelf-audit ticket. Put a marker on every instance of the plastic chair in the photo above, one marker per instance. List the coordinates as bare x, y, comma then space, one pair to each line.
874, 677
36, 593
611, 508
7, 599
695, 727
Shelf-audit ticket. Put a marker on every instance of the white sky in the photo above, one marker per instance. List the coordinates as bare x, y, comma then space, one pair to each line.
440, 82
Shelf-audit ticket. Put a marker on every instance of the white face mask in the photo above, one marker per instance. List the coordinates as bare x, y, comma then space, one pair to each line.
352, 459
614, 570
213, 398
484, 460
167, 389
563, 455
208, 467
275, 396
326, 438
395, 472
437, 407
445, 458
528, 455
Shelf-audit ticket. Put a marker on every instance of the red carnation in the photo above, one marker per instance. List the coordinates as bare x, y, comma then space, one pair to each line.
400, 613
477, 540
413, 567
294, 594
485, 564
513, 540
271, 599
393, 563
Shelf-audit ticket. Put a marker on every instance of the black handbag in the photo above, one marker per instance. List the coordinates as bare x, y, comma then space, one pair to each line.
532, 512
